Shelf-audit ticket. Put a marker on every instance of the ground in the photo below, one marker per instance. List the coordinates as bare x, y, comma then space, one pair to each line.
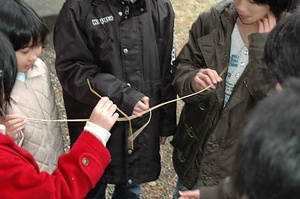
186, 13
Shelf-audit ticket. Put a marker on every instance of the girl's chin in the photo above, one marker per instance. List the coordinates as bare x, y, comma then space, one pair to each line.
23, 71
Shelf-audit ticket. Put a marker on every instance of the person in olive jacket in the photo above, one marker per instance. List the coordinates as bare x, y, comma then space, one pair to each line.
269, 148
125, 49
225, 52
77, 172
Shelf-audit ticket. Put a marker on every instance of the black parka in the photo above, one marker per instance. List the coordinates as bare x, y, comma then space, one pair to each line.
125, 50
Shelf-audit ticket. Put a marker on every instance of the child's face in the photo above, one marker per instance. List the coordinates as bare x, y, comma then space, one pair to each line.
251, 12
27, 56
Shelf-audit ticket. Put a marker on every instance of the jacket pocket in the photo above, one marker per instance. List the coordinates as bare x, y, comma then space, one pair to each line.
185, 140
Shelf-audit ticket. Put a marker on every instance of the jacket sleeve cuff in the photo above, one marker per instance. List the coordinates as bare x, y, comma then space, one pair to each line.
130, 98
102, 134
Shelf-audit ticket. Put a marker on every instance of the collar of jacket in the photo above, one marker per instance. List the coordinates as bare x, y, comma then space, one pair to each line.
38, 69
132, 9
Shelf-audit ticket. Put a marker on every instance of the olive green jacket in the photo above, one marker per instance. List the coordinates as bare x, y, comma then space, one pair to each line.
207, 132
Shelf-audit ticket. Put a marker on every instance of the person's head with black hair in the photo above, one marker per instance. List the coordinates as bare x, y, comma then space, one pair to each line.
8, 69
277, 7
25, 30
294, 6
21, 24
268, 155
282, 49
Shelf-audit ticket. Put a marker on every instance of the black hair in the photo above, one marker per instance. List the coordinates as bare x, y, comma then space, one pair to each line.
282, 49
268, 155
21, 24
8, 69
277, 7
294, 5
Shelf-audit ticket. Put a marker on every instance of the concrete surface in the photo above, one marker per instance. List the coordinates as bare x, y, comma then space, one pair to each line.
48, 11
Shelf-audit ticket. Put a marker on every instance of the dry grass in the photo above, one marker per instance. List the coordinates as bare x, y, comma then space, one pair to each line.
186, 13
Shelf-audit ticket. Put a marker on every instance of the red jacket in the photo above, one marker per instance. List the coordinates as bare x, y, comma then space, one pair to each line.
77, 172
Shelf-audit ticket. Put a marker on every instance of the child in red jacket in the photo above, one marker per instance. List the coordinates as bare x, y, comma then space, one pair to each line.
77, 171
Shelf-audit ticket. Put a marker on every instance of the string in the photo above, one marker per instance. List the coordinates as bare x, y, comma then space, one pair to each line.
132, 136
130, 144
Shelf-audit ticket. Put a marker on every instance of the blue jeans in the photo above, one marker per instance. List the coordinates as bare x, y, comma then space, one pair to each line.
181, 187
121, 191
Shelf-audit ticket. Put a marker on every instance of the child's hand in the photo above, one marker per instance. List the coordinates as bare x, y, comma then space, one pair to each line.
141, 106
104, 114
191, 194
267, 23
13, 124
206, 77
